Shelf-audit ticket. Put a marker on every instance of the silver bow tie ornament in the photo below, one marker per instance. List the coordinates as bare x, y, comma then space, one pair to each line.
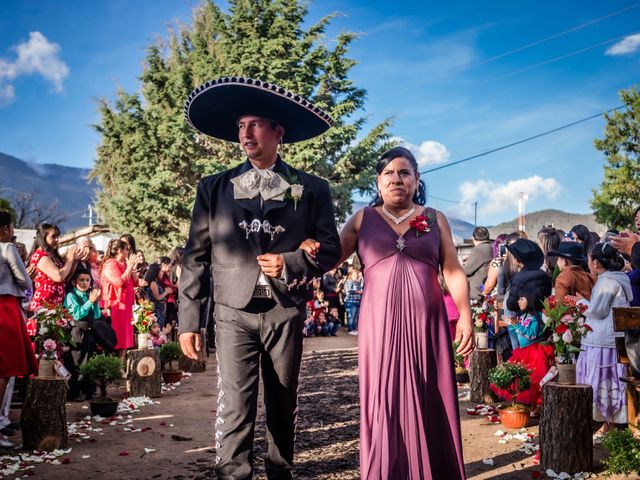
266, 183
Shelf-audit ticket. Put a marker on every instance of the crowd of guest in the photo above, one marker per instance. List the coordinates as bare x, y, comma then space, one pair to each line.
335, 303
580, 266
97, 288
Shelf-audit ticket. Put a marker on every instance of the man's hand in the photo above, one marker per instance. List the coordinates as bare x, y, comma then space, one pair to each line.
190, 344
271, 264
311, 247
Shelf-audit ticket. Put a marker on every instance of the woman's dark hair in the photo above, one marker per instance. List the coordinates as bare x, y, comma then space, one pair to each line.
131, 241
607, 256
6, 218
176, 256
510, 267
548, 239
152, 273
635, 212
420, 197
164, 260
41, 241
112, 249
580, 231
534, 298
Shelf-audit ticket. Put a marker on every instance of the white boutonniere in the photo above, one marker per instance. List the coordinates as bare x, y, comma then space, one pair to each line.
296, 194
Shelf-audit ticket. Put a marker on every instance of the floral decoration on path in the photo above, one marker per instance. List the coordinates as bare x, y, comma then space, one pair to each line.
23, 464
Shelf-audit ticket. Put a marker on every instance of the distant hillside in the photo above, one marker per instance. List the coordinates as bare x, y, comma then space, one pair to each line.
536, 220
67, 185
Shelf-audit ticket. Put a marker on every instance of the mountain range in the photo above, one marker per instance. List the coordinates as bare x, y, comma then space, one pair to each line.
69, 186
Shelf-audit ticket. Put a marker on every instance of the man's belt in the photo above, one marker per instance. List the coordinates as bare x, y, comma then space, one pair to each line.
262, 291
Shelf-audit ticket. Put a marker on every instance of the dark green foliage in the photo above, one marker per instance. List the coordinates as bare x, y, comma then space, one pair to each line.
624, 452
169, 352
149, 159
102, 369
619, 193
512, 377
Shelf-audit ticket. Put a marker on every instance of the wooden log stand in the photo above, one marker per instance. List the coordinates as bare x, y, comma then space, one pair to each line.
44, 414
186, 364
566, 443
480, 362
143, 373
626, 319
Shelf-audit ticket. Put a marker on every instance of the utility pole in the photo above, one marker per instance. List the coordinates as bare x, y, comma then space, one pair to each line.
522, 198
475, 213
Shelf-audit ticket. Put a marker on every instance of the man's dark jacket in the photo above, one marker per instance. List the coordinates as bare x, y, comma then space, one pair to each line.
222, 246
476, 267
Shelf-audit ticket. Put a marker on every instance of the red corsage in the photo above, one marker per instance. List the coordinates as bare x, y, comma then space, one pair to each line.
420, 224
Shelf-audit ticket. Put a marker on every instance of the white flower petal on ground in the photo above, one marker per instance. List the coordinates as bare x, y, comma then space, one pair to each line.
487, 461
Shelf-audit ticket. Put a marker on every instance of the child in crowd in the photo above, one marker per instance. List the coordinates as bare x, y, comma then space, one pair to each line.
532, 352
158, 335
598, 360
325, 326
82, 302
572, 278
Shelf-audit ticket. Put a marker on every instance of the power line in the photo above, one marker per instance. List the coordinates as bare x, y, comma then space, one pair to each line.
533, 137
450, 201
555, 59
538, 42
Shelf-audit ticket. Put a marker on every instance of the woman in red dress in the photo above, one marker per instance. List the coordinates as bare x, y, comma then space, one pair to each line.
51, 269
16, 354
117, 280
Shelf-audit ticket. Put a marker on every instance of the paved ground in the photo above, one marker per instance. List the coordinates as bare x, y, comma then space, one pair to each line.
179, 429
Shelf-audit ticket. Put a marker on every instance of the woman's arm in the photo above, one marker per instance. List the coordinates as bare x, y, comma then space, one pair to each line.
155, 291
58, 275
491, 281
349, 236
456, 281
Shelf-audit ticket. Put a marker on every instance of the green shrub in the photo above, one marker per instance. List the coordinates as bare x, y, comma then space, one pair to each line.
512, 377
102, 369
169, 352
624, 452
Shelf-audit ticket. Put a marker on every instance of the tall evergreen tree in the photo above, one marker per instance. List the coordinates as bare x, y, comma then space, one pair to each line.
149, 158
619, 193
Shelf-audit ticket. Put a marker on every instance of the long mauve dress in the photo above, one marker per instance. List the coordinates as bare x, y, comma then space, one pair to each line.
410, 426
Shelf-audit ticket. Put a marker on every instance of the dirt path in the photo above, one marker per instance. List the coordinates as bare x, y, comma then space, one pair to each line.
179, 429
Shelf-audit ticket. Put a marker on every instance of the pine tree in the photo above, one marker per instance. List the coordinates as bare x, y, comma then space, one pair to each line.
149, 159
619, 193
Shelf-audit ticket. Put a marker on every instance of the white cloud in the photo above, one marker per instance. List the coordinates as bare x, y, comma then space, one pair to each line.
627, 45
427, 153
36, 56
494, 197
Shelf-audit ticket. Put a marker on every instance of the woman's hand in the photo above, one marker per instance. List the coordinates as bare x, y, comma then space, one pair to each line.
311, 247
464, 337
72, 254
168, 290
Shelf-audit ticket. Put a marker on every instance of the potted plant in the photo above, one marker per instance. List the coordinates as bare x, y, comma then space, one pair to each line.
508, 380
169, 353
143, 319
481, 313
566, 320
52, 336
103, 369
462, 374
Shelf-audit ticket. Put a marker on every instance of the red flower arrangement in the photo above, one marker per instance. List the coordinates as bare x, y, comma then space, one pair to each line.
422, 224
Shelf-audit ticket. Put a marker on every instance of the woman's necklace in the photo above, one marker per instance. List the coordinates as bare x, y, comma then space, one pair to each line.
398, 220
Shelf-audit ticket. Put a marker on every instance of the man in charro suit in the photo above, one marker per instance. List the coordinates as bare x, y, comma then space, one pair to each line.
247, 225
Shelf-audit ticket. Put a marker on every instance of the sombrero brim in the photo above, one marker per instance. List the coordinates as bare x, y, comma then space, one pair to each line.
570, 256
215, 107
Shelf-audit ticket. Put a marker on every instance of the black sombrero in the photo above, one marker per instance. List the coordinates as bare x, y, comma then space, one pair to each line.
215, 107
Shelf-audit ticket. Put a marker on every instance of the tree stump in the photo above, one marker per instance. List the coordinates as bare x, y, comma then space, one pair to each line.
566, 443
480, 362
44, 414
186, 364
143, 373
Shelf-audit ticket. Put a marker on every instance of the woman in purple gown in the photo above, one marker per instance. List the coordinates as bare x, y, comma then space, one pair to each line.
410, 426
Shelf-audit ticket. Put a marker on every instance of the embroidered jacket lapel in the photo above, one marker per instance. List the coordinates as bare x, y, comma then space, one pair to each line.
252, 213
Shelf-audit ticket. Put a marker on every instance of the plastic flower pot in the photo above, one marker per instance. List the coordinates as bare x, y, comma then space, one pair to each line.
105, 407
515, 417
170, 376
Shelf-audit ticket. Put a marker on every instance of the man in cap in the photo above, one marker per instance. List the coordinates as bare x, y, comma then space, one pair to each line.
247, 225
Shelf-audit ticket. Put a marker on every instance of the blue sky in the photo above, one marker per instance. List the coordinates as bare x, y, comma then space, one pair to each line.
439, 70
